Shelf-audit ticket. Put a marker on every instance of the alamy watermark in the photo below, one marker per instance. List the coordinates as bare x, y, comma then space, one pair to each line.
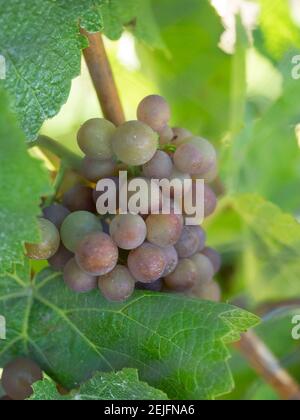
2, 328
2, 67
296, 329
296, 67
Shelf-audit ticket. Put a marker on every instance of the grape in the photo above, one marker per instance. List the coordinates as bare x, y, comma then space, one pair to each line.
98, 194
181, 177
18, 377
56, 213
210, 291
159, 167
214, 257
210, 201
149, 197
79, 198
60, 259
134, 143
172, 260
179, 135
49, 242
128, 231
118, 285
97, 254
156, 286
208, 176
78, 225
191, 241
184, 277
166, 135
147, 263
94, 169
164, 230
205, 268
194, 156
154, 111
94, 138
77, 280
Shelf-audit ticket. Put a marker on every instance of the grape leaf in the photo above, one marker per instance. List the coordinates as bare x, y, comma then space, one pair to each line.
177, 344
122, 385
23, 181
42, 46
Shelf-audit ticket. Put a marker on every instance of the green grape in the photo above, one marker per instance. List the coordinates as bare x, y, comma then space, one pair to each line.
76, 226
215, 258
56, 214
118, 285
184, 277
79, 198
49, 242
97, 254
77, 280
134, 143
94, 138
155, 112
159, 167
128, 231
147, 263
61, 258
18, 377
164, 230
94, 169
195, 155
204, 267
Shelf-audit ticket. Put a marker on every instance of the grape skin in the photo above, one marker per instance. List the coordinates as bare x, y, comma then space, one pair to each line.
97, 254
172, 260
214, 257
184, 277
56, 214
79, 198
118, 285
159, 167
18, 377
151, 195
134, 143
49, 243
94, 138
164, 230
205, 268
166, 136
156, 286
208, 176
77, 280
78, 225
190, 242
211, 292
128, 231
94, 169
61, 258
210, 201
180, 134
147, 263
154, 111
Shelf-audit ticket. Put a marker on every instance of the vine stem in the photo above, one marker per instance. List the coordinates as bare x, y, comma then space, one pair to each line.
103, 79
268, 366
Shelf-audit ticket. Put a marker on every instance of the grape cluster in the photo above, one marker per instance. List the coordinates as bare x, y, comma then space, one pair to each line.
118, 253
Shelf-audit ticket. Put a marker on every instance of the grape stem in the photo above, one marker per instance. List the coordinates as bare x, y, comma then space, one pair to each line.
103, 79
268, 366
69, 159
57, 184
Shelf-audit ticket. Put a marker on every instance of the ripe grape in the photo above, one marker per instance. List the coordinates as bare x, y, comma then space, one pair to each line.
48, 244
77, 226
118, 285
147, 263
184, 182
134, 143
205, 268
97, 254
94, 138
191, 240
214, 257
172, 260
164, 230
156, 286
210, 201
56, 214
194, 156
180, 134
94, 169
184, 277
166, 135
159, 167
60, 259
18, 377
208, 176
154, 111
210, 291
79, 198
128, 231
77, 280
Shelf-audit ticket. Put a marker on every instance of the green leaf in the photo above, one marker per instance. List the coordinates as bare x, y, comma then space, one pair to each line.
42, 47
23, 181
122, 385
177, 344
